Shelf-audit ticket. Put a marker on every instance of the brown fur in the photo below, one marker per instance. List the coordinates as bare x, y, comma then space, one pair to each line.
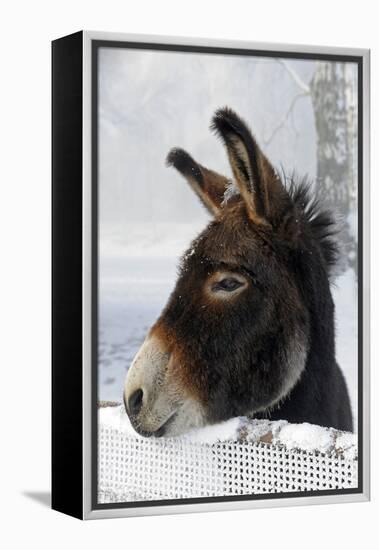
181, 371
228, 241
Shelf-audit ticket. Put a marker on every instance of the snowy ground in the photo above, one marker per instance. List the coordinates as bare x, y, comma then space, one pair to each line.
137, 273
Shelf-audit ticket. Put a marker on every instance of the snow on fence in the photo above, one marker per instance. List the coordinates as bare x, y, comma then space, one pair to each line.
239, 457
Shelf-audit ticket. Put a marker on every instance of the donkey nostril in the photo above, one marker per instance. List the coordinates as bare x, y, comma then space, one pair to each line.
135, 402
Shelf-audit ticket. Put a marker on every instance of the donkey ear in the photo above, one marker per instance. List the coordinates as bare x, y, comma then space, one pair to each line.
257, 181
208, 185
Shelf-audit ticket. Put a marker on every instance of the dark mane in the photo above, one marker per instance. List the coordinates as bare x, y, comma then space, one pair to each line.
321, 221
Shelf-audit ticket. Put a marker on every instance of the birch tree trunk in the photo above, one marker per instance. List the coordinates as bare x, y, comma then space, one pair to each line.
333, 91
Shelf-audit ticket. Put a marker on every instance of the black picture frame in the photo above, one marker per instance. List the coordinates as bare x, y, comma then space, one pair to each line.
70, 55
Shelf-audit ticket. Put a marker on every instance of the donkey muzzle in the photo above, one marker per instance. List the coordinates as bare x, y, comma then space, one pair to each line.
150, 401
154, 399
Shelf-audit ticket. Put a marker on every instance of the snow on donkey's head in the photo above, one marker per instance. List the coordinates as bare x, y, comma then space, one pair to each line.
249, 327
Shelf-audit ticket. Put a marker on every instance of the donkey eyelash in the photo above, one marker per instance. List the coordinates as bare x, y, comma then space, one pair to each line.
244, 271
229, 284
223, 266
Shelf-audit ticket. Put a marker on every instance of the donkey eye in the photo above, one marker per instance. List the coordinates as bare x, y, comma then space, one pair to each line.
229, 285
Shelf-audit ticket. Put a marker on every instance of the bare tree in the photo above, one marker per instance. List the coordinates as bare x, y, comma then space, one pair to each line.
333, 93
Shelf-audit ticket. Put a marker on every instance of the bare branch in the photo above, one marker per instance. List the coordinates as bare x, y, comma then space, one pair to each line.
281, 124
295, 77
304, 91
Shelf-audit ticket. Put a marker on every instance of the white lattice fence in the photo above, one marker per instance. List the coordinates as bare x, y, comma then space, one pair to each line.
256, 457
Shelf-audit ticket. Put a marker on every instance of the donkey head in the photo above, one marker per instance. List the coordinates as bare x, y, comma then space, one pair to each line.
233, 337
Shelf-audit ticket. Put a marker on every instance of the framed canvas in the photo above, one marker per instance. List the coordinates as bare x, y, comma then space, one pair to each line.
210, 275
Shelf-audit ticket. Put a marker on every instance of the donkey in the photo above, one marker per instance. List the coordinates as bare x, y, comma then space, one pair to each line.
249, 327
